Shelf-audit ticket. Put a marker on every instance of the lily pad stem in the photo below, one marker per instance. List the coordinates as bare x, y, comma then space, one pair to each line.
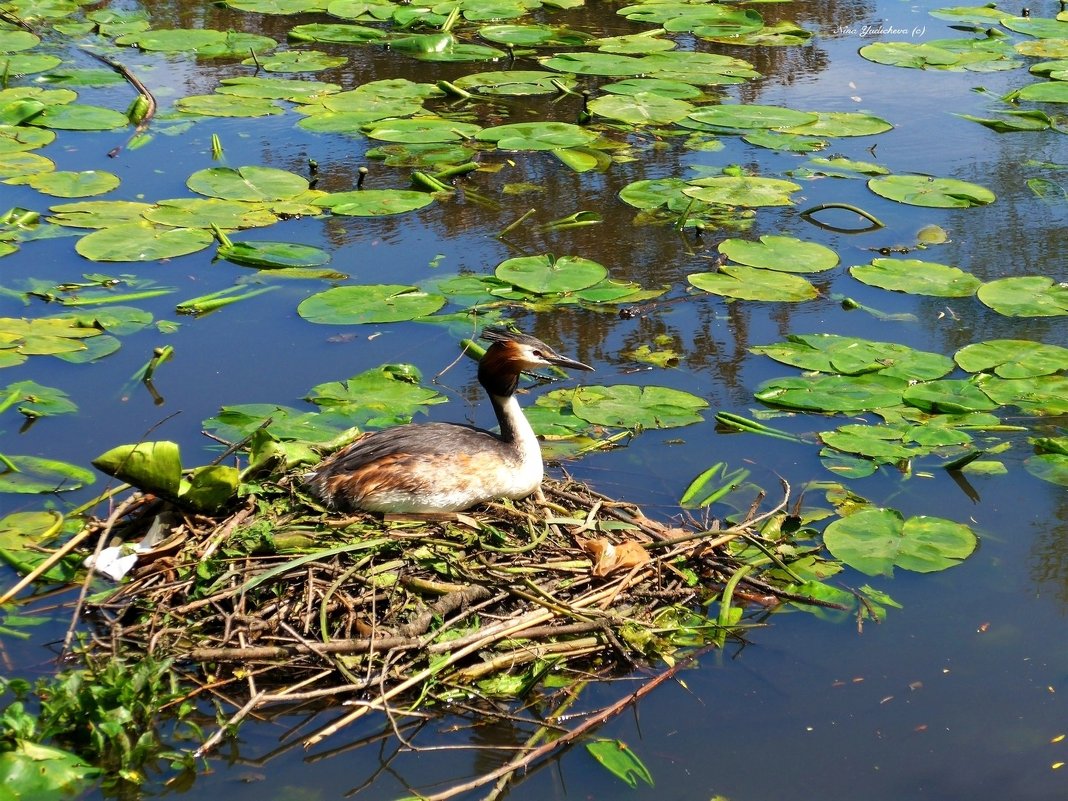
875, 221
508, 229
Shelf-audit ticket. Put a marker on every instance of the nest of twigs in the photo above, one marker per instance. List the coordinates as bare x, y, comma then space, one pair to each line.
306, 603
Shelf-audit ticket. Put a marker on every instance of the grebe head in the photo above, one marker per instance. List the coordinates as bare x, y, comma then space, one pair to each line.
514, 353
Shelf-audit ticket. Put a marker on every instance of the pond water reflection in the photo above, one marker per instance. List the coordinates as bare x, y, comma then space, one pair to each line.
953, 696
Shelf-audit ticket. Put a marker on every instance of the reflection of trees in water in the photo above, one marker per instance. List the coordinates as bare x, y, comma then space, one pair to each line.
1049, 554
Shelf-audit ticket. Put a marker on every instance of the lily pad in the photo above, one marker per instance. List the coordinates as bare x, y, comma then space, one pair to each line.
1012, 358
374, 202
61, 183
19, 138
228, 106
383, 396
35, 475
842, 123
514, 83
628, 406
948, 396
923, 190
202, 41
875, 541
1040, 395
833, 393
98, 213
749, 192
917, 277
537, 135
296, 61
643, 108
545, 274
1025, 296
375, 303
651, 193
80, 117
783, 253
273, 255
250, 183
141, 242
1051, 467
198, 212
422, 130
831, 353
751, 116
754, 283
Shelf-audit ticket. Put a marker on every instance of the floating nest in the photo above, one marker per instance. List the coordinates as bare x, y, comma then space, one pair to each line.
297, 602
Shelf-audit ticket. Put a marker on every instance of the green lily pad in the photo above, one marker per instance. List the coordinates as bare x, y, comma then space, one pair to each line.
235, 423
250, 183
657, 86
62, 183
202, 41
276, 88
374, 202
1012, 358
375, 303
36, 400
651, 193
833, 393
45, 336
382, 396
875, 541
783, 253
749, 192
1025, 296
1051, 467
879, 443
643, 108
11, 41
537, 135
917, 55
750, 116
948, 396
228, 106
842, 123
533, 35
628, 406
831, 353
141, 242
1040, 395
545, 274
80, 117
19, 138
34, 475
838, 167
791, 143
514, 83
754, 283
296, 61
28, 63
422, 130
633, 44
917, 277
19, 165
273, 255
1046, 92
44, 772
923, 190
190, 212
421, 156
152, 466
98, 213
1040, 27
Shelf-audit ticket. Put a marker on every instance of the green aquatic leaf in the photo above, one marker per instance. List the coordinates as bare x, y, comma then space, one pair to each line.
628, 406
201, 41
924, 190
1039, 27
98, 213
36, 400
791, 143
948, 396
276, 88
295, 60
382, 396
657, 86
374, 202
917, 55
35, 475
422, 130
62, 183
831, 353
1012, 358
633, 44
748, 191
838, 167
433, 154
228, 106
533, 35
651, 193
1040, 395
79, 117
880, 443
11, 41
536, 135
250, 183
643, 108
1047, 92
917, 277
783, 253
754, 283
19, 138
620, 761
208, 212
833, 393
151, 466
44, 772
545, 274
841, 123
875, 541
1051, 467
273, 255
235, 423
27, 64
750, 116
19, 165
515, 83
1025, 296
141, 242
375, 303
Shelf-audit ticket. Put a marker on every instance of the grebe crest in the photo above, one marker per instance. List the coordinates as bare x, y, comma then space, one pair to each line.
447, 467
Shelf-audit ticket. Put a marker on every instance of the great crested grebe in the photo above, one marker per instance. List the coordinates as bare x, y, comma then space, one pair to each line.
447, 467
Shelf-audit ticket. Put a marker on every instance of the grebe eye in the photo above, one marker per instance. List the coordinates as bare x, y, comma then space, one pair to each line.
539, 354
